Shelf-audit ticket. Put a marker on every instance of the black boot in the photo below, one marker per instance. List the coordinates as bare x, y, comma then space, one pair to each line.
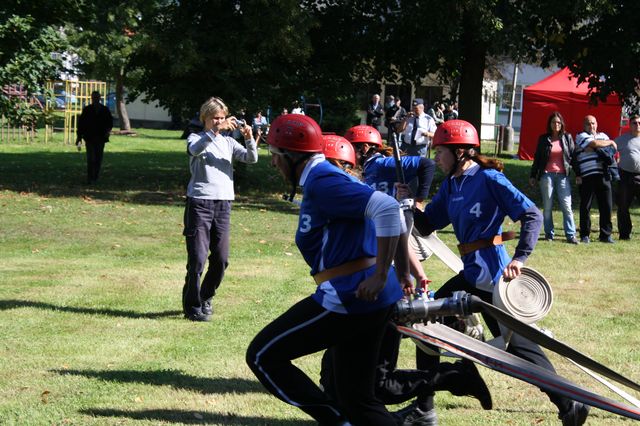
576, 415
463, 379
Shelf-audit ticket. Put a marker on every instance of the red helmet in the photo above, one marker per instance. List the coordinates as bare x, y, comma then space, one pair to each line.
456, 132
339, 148
364, 134
295, 132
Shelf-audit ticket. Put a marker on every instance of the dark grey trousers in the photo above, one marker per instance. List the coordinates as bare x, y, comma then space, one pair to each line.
207, 226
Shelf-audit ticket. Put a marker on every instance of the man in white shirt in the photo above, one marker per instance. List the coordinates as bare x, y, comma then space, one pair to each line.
418, 129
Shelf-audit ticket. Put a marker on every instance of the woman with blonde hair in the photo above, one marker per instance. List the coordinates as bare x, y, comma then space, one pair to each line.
208, 206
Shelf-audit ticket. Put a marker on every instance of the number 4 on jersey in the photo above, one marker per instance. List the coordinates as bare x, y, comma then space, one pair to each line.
475, 210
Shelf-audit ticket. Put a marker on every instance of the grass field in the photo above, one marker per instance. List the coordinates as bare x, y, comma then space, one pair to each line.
91, 331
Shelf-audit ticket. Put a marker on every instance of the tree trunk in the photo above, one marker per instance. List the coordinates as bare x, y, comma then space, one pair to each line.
121, 108
472, 75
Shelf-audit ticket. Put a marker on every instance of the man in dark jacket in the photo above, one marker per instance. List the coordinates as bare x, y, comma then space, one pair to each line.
94, 125
374, 112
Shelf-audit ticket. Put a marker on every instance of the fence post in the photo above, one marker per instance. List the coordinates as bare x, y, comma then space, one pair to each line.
508, 138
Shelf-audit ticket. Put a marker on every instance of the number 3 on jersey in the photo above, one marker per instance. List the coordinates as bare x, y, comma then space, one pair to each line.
305, 223
475, 210
381, 186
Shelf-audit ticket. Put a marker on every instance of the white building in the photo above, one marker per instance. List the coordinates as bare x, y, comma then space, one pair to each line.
526, 76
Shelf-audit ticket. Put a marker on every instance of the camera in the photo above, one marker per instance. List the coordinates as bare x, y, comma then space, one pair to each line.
241, 123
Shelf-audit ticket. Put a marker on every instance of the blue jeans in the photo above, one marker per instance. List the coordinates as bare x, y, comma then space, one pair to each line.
558, 182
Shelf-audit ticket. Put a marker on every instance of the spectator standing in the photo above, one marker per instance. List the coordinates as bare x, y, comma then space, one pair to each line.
207, 215
436, 112
454, 109
449, 113
418, 129
594, 162
551, 167
375, 111
389, 110
395, 115
94, 126
629, 166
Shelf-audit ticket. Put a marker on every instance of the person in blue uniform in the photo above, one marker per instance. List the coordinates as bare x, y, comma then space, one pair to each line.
348, 234
393, 385
339, 152
475, 198
379, 172
379, 166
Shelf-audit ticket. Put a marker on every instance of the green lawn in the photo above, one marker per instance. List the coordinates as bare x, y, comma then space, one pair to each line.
91, 331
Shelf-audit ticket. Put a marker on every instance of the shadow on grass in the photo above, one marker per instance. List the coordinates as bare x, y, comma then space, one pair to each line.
172, 378
153, 177
194, 417
16, 304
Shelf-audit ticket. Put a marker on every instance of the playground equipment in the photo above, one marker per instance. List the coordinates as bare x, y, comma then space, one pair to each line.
9, 130
77, 96
74, 96
309, 108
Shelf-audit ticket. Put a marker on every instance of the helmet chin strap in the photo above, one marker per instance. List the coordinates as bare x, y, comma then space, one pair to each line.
365, 155
293, 165
466, 155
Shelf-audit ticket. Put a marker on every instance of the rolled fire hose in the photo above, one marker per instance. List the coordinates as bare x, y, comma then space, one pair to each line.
527, 297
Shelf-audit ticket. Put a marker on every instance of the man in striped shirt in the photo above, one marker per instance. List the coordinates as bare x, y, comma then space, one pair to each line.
594, 156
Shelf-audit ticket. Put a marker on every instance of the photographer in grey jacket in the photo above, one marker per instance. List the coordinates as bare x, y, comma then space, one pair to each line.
208, 207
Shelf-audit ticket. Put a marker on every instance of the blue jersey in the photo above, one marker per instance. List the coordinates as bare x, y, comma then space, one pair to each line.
475, 204
332, 230
380, 173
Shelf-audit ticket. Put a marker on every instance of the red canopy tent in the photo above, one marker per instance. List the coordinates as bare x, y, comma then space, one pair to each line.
560, 92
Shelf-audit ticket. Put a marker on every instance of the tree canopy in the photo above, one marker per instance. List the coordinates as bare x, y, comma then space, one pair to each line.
259, 53
248, 53
26, 62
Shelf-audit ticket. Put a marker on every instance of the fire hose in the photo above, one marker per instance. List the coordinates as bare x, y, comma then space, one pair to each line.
462, 303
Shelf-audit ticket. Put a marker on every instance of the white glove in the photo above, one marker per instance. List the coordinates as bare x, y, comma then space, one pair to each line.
473, 327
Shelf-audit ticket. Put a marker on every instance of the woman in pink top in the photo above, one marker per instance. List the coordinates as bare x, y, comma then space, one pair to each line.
551, 166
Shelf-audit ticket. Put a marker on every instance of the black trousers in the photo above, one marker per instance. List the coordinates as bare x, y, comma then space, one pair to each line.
392, 385
207, 226
518, 345
95, 152
307, 328
598, 186
628, 189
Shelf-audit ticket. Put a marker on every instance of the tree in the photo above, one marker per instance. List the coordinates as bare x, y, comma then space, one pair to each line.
258, 52
248, 53
604, 50
106, 36
27, 40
